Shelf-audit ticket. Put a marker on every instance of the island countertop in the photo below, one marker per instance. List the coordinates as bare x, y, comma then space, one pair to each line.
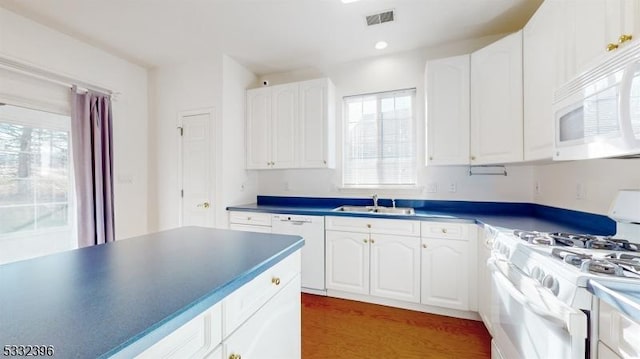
120, 298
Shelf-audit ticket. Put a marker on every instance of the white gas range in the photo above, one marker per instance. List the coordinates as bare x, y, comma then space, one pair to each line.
540, 303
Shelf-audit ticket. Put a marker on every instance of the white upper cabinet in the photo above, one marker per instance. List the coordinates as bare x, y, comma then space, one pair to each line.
447, 92
317, 124
291, 126
496, 102
284, 118
541, 63
258, 137
596, 27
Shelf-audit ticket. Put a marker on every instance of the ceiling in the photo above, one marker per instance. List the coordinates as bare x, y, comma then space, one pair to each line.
270, 36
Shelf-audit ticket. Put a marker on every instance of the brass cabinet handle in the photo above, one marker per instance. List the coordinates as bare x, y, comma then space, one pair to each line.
205, 205
235, 356
611, 46
624, 38
275, 280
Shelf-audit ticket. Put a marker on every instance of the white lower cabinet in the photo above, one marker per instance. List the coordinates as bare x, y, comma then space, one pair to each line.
448, 260
261, 319
273, 332
395, 267
619, 335
195, 339
370, 261
250, 221
347, 261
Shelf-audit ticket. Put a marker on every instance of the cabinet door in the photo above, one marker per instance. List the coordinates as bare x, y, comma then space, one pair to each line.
347, 261
284, 119
485, 242
447, 87
540, 61
395, 267
445, 273
496, 102
314, 123
273, 331
258, 137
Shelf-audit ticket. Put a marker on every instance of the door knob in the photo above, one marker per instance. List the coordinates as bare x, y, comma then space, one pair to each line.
205, 205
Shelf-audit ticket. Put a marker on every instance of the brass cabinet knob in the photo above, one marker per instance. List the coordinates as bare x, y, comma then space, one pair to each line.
372, 241
235, 356
624, 38
325, 162
275, 280
365, 241
424, 245
368, 225
248, 218
473, 158
430, 158
444, 230
611, 46
205, 205
273, 163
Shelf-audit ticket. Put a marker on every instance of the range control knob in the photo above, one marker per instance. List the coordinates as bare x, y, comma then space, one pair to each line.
537, 274
552, 284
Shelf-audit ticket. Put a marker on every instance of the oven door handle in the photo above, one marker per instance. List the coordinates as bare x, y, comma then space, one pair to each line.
574, 321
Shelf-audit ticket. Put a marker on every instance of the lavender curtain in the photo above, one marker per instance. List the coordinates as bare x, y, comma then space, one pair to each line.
91, 134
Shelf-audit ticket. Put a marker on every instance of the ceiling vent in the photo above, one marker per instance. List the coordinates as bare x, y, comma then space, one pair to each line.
380, 18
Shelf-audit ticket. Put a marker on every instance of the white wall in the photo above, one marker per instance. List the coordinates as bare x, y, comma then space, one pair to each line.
29, 42
238, 185
383, 73
598, 180
175, 89
220, 83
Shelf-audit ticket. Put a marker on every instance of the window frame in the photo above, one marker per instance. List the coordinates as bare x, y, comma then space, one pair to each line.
71, 197
345, 136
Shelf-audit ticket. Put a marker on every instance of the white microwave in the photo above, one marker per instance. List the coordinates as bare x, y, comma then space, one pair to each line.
597, 115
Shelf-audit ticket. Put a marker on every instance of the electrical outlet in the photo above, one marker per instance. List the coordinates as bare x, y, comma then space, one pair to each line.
432, 188
453, 187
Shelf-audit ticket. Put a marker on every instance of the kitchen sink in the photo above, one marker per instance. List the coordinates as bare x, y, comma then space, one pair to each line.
377, 210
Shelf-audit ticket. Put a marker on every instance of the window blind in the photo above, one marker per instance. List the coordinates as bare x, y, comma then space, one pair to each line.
379, 137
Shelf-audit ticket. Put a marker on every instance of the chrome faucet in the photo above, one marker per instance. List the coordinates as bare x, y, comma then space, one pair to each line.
393, 203
375, 200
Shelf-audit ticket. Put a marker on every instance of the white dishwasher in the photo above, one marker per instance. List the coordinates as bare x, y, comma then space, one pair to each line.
311, 228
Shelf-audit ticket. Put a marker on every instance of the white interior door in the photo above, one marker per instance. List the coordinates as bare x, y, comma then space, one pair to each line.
196, 162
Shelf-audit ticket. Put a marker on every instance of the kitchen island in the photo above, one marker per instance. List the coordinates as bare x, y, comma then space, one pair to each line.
121, 298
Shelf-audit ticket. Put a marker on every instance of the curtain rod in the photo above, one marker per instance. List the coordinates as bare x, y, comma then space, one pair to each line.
38, 72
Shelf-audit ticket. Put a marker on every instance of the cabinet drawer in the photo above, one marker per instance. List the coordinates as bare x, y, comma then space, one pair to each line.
194, 339
245, 301
444, 230
618, 332
251, 218
374, 225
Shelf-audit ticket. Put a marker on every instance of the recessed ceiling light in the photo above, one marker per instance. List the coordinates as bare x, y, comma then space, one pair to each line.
381, 45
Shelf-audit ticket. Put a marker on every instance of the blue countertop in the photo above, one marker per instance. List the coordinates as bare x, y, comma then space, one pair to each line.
523, 216
119, 298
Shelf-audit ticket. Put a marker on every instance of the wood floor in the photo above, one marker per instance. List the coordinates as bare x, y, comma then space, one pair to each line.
336, 328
